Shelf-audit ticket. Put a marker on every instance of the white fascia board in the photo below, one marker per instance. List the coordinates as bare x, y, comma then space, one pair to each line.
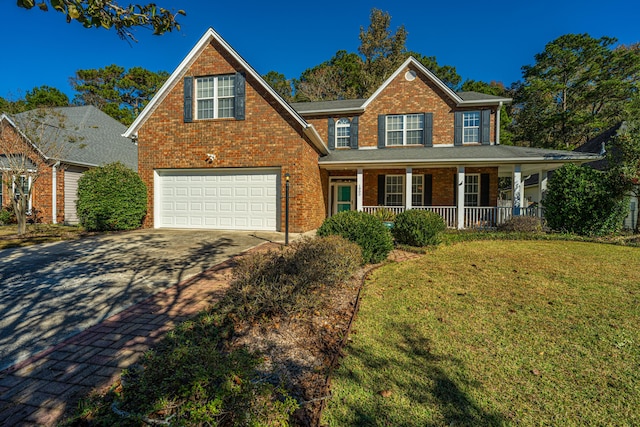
424, 70
209, 35
333, 111
312, 133
469, 161
485, 102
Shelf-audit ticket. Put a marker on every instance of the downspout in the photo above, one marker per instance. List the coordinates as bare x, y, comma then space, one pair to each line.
54, 194
498, 123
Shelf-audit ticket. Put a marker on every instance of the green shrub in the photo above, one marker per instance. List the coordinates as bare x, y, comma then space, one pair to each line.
384, 214
521, 224
584, 201
367, 231
6, 215
289, 281
418, 228
111, 197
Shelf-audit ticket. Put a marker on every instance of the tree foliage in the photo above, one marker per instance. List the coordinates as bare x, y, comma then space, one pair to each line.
582, 200
111, 197
111, 14
577, 88
351, 75
280, 84
623, 158
120, 93
45, 96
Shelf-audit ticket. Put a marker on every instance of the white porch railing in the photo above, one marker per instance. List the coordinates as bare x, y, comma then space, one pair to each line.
474, 217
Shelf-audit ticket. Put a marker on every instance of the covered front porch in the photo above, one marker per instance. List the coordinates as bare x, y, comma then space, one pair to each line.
466, 197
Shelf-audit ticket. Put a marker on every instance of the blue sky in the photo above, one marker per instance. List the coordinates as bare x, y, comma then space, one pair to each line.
487, 41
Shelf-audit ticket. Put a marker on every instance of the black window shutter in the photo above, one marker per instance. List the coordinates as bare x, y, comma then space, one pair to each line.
428, 190
382, 124
382, 182
457, 128
240, 95
354, 132
188, 99
428, 130
455, 189
485, 188
485, 127
331, 134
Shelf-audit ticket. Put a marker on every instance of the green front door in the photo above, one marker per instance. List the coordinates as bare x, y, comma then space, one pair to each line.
344, 201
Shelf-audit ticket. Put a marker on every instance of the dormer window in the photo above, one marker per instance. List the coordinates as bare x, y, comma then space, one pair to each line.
343, 133
215, 97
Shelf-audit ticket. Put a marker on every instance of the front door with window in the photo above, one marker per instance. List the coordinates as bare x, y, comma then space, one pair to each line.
344, 197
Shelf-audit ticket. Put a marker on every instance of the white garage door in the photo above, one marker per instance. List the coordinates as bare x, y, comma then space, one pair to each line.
229, 200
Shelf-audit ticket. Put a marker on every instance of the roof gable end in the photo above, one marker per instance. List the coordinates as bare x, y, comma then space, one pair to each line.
195, 52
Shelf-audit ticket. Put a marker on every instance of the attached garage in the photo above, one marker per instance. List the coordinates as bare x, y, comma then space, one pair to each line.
235, 199
71, 176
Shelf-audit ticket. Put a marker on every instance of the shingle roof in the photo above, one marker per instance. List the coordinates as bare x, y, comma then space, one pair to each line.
90, 137
477, 96
326, 106
443, 155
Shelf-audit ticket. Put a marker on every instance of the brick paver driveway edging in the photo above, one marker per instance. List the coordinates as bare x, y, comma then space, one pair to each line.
51, 292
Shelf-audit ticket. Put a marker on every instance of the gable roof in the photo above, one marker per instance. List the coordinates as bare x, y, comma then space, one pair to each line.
461, 99
346, 106
90, 137
195, 52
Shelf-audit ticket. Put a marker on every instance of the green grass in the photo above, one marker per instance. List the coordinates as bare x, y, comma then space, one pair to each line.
37, 234
496, 333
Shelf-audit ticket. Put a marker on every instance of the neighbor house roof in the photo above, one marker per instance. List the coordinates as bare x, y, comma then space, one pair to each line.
472, 155
88, 136
179, 72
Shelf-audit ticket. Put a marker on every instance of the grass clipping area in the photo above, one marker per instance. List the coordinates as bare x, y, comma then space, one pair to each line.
496, 333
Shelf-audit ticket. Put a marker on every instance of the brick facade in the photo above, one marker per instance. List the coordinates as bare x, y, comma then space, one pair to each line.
267, 138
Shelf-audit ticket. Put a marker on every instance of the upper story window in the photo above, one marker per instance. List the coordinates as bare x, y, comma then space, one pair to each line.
471, 127
405, 129
215, 97
343, 133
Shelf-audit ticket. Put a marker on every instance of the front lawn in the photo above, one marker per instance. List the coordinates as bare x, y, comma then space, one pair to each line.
37, 234
496, 333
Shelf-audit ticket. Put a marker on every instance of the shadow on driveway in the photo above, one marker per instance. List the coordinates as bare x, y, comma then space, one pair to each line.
51, 292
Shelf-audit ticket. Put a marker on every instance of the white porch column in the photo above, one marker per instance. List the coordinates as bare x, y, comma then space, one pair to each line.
460, 199
542, 184
54, 193
408, 188
518, 190
359, 186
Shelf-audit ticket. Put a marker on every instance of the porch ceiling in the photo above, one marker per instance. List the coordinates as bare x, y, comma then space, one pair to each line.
502, 156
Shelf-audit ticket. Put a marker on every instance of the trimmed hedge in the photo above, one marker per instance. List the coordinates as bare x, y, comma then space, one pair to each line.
368, 232
418, 228
111, 197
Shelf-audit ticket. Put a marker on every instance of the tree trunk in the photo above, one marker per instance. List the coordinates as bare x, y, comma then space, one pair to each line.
20, 209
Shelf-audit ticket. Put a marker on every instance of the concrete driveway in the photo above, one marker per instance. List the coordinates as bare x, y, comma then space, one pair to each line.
51, 292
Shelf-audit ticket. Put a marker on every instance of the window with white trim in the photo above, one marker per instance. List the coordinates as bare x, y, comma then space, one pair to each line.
215, 97
394, 190
405, 129
21, 185
343, 133
471, 127
472, 190
417, 190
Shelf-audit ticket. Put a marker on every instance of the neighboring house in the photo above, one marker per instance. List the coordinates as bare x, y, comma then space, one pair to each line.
87, 138
217, 145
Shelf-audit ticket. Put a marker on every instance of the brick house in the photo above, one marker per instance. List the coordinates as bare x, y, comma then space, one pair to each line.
84, 137
217, 145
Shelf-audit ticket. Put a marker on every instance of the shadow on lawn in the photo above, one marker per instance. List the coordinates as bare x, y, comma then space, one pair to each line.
423, 378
